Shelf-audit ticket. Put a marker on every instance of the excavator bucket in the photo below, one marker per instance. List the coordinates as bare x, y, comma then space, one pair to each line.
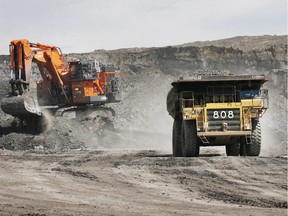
21, 106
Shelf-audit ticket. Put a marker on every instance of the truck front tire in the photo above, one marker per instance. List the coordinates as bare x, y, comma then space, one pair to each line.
176, 138
254, 148
190, 148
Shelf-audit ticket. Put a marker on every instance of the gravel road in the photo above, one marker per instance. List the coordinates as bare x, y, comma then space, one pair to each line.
130, 182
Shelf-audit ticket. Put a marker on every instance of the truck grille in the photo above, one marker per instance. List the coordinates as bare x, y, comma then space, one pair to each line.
223, 119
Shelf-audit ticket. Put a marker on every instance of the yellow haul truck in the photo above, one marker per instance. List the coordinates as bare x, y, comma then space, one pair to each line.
217, 110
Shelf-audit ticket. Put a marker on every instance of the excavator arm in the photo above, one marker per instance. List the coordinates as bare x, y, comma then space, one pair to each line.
23, 53
48, 59
20, 66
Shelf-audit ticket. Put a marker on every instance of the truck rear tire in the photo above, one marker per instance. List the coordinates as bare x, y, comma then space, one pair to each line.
254, 148
190, 148
176, 138
233, 147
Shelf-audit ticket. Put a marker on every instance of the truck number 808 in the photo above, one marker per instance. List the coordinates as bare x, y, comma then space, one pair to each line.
223, 114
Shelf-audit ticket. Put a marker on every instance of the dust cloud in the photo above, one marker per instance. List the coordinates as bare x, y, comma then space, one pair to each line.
46, 121
141, 120
274, 130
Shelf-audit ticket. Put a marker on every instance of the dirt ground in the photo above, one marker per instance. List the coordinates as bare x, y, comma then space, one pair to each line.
130, 182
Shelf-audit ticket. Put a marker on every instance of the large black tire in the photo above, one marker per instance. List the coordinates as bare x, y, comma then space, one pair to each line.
176, 138
190, 148
233, 147
254, 148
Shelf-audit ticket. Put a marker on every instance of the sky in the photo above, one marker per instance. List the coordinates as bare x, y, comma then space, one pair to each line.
86, 25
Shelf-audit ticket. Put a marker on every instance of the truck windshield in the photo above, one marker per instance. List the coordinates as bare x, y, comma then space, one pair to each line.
249, 93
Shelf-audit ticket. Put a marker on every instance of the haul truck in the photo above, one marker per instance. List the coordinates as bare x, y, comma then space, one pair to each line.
217, 110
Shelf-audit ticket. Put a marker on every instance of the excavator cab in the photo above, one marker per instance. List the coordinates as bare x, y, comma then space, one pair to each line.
92, 84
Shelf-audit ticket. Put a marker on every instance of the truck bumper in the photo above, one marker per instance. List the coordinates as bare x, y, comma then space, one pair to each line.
224, 133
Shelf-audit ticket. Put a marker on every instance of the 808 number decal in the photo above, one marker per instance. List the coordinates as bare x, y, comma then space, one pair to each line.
223, 114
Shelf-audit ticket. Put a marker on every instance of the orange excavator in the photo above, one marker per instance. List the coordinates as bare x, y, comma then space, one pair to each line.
63, 85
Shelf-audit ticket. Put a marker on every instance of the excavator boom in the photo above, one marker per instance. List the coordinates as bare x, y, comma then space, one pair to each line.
22, 53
